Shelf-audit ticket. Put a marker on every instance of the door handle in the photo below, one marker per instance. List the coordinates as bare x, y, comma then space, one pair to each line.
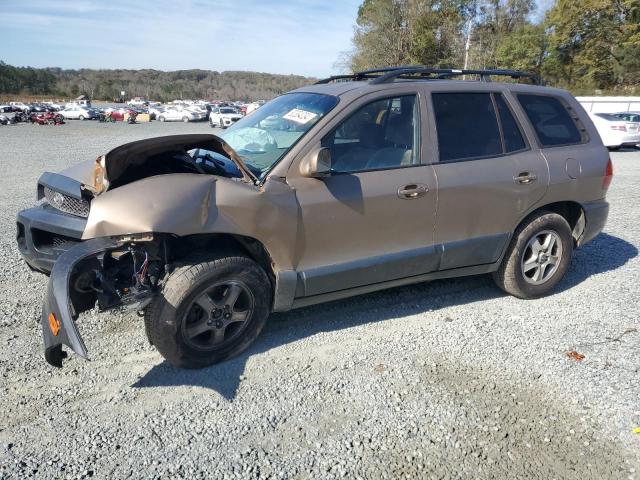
413, 190
525, 178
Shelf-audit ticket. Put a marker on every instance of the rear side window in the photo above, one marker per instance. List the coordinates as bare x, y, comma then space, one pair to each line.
552, 121
513, 140
467, 126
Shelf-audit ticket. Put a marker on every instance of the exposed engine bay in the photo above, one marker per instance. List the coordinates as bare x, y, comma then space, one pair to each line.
125, 276
206, 154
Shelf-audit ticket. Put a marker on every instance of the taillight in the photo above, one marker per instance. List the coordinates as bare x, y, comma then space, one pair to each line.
621, 128
608, 175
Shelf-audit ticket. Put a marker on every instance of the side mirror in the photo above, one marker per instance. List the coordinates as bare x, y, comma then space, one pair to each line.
316, 164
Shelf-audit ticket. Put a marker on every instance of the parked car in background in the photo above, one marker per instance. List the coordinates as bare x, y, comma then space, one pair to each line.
616, 132
177, 114
73, 112
47, 118
56, 107
19, 107
155, 111
38, 107
118, 114
5, 107
252, 107
138, 102
223, 117
199, 110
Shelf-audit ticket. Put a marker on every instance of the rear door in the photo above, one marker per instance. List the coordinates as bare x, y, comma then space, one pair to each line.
488, 175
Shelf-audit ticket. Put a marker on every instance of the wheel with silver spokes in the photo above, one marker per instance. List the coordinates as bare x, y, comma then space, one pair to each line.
537, 257
218, 315
210, 309
541, 257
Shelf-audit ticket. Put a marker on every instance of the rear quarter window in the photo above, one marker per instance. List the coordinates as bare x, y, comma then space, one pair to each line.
552, 121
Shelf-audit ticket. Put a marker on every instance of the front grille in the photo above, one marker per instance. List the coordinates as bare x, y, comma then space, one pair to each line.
66, 203
45, 241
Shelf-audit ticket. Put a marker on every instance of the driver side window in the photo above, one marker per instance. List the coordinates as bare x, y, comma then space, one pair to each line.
380, 135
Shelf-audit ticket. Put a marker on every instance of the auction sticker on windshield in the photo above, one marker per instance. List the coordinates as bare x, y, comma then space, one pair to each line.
299, 116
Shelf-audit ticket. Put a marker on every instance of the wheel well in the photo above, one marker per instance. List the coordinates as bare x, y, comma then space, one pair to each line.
182, 246
572, 213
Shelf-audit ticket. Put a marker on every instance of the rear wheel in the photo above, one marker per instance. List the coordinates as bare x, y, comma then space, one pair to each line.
161, 118
210, 310
81, 117
185, 119
538, 256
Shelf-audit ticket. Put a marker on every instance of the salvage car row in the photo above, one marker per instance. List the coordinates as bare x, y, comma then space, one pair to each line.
220, 115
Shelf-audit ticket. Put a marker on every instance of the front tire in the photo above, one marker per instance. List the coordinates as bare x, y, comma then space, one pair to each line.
210, 309
185, 119
537, 258
161, 118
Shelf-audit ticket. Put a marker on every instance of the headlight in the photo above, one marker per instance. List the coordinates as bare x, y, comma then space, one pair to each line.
100, 183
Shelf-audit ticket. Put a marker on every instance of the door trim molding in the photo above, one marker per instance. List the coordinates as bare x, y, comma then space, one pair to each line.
384, 268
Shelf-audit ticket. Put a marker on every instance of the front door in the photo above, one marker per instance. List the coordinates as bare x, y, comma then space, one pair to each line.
372, 219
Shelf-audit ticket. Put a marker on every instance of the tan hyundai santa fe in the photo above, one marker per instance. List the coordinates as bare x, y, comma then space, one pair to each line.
357, 183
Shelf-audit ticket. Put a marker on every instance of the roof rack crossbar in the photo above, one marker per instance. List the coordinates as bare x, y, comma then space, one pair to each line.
415, 72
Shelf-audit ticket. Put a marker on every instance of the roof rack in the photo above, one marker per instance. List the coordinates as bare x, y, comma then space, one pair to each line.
417, 72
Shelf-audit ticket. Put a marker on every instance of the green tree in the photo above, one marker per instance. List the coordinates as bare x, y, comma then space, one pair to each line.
594, 43
525, 48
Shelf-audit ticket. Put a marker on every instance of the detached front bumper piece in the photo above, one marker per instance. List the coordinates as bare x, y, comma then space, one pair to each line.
61, 307
114, 272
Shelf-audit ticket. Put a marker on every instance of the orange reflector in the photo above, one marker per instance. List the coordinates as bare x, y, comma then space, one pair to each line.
54, 324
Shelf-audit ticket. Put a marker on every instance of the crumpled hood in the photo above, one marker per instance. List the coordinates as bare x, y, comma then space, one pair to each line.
82, 172
120, 158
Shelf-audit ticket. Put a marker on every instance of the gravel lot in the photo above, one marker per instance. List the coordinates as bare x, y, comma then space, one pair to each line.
450, 379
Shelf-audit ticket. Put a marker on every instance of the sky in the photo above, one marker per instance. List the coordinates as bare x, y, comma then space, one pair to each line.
303, 37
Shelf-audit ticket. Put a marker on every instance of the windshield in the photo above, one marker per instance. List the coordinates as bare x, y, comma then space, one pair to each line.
227, 110
265, 136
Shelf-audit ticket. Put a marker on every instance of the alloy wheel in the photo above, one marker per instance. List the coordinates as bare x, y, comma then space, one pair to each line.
541, 258
218, 315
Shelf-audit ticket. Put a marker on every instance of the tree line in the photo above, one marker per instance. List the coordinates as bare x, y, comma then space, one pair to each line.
582, 45
152, 84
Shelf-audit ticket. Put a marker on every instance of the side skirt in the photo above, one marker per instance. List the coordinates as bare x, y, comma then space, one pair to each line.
351, 292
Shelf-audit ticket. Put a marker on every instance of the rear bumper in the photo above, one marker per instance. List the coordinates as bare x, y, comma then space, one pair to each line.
44, 233
595, 216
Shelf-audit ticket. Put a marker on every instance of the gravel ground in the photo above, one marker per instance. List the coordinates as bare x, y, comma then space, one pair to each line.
450, 379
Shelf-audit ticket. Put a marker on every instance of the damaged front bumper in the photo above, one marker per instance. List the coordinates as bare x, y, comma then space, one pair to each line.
81, 276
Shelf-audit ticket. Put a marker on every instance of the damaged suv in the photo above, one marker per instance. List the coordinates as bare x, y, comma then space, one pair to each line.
355, 184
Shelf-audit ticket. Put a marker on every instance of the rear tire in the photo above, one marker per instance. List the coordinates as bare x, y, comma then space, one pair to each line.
185, 119
537, 258
173, 317
161, 118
